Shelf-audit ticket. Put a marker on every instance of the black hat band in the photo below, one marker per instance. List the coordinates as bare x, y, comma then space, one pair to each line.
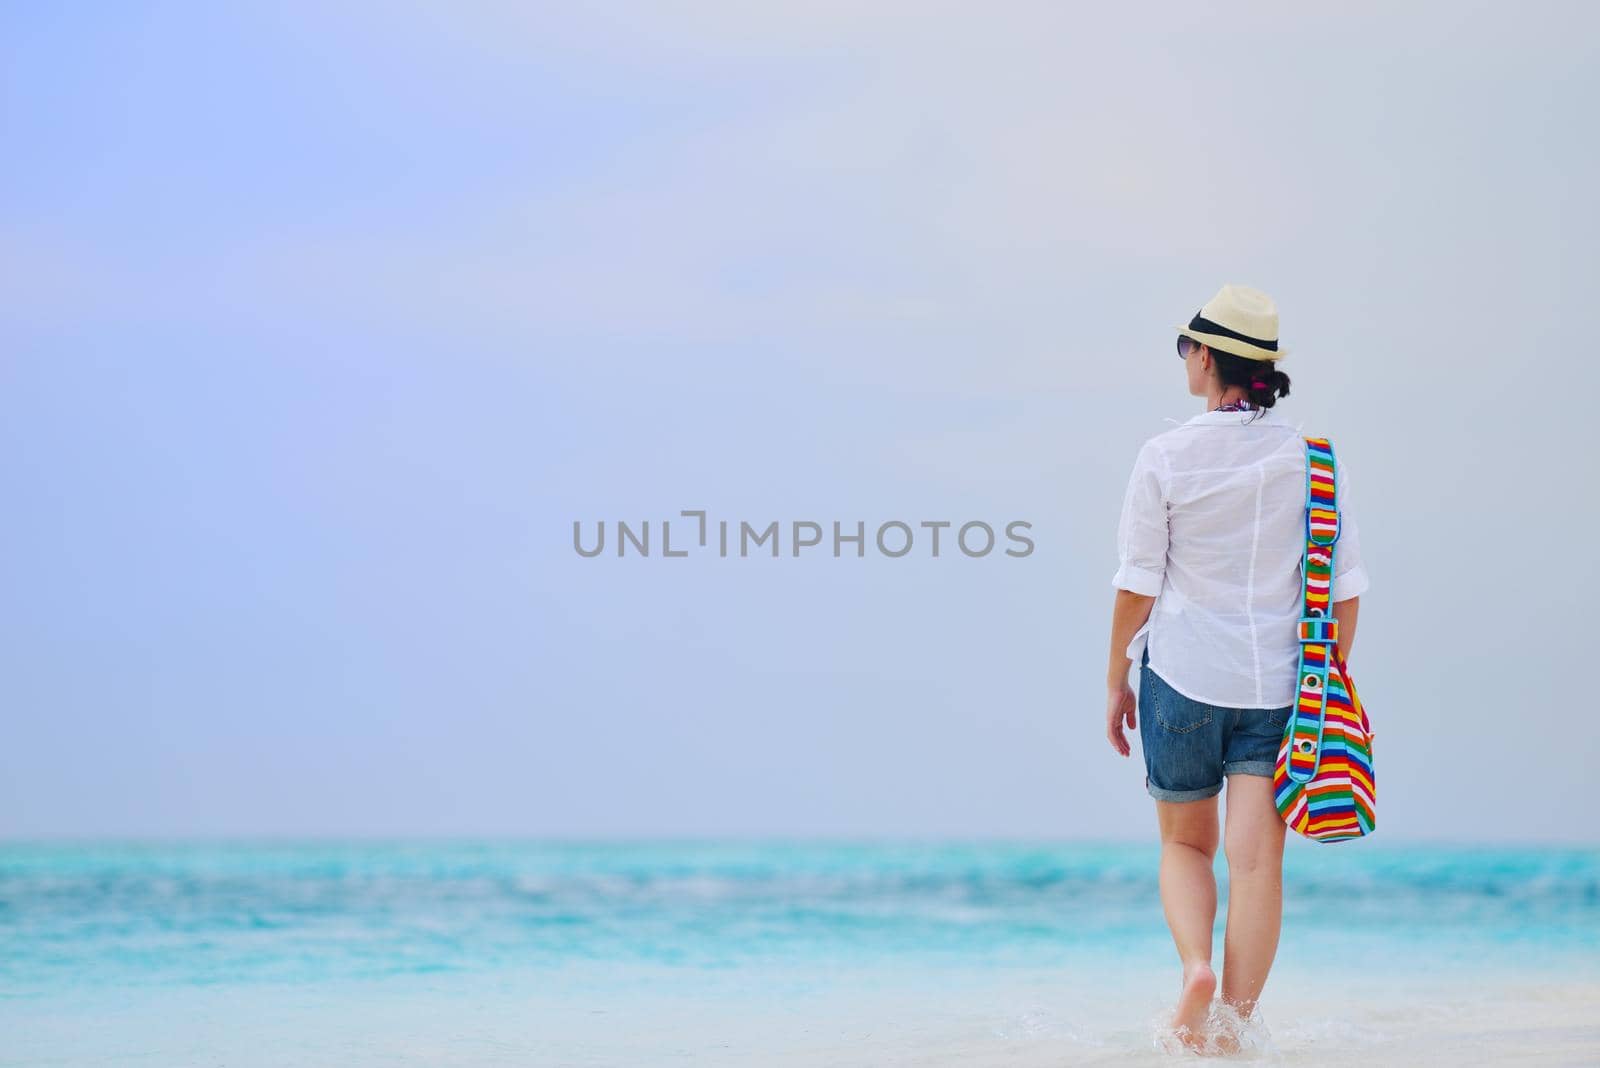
1206, 326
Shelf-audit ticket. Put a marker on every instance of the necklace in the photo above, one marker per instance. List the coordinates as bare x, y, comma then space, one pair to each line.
1240, 405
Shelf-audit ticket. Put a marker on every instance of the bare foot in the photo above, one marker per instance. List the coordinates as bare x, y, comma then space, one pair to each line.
1225, 1038
1225, 1042
1189, 1019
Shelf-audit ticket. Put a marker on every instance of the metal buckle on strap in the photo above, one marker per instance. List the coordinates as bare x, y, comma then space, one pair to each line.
1323, 630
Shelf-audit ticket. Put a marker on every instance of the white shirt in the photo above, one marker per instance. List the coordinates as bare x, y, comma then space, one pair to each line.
1213, 526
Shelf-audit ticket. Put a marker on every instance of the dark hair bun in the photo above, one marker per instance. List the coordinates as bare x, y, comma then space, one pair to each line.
1239, 371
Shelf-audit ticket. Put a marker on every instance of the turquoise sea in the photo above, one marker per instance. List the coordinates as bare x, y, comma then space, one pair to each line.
773, 952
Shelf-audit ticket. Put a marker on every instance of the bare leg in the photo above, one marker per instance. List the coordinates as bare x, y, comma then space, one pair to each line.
1189, 898
1255, 890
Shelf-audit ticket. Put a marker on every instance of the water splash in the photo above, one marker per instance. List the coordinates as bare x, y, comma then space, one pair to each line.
1225, 1033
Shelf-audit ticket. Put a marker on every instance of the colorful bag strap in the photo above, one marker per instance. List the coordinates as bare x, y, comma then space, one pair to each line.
1319, 631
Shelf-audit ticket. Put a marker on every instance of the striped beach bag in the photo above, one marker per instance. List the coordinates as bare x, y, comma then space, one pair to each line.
1323, 783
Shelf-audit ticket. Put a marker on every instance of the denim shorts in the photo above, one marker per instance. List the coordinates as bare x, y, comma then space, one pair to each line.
1189, 745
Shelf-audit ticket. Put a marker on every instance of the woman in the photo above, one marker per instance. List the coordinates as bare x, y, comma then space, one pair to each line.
1209, 590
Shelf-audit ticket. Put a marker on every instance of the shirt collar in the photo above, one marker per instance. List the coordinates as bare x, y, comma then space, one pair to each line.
1269, 417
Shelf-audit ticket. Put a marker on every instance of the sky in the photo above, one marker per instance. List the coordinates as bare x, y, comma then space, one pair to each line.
322, 324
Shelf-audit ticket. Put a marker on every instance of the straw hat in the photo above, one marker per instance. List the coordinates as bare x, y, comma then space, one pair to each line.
1239, 320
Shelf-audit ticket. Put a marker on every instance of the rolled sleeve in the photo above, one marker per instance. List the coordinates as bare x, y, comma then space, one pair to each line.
1350, 571
1142, 529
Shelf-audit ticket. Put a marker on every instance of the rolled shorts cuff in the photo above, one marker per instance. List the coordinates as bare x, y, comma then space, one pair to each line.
1249, 767
1182, 795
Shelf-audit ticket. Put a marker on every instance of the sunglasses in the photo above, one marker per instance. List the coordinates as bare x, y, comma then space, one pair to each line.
1186, 346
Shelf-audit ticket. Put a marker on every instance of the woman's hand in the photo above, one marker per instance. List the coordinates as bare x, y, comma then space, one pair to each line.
1119, 706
